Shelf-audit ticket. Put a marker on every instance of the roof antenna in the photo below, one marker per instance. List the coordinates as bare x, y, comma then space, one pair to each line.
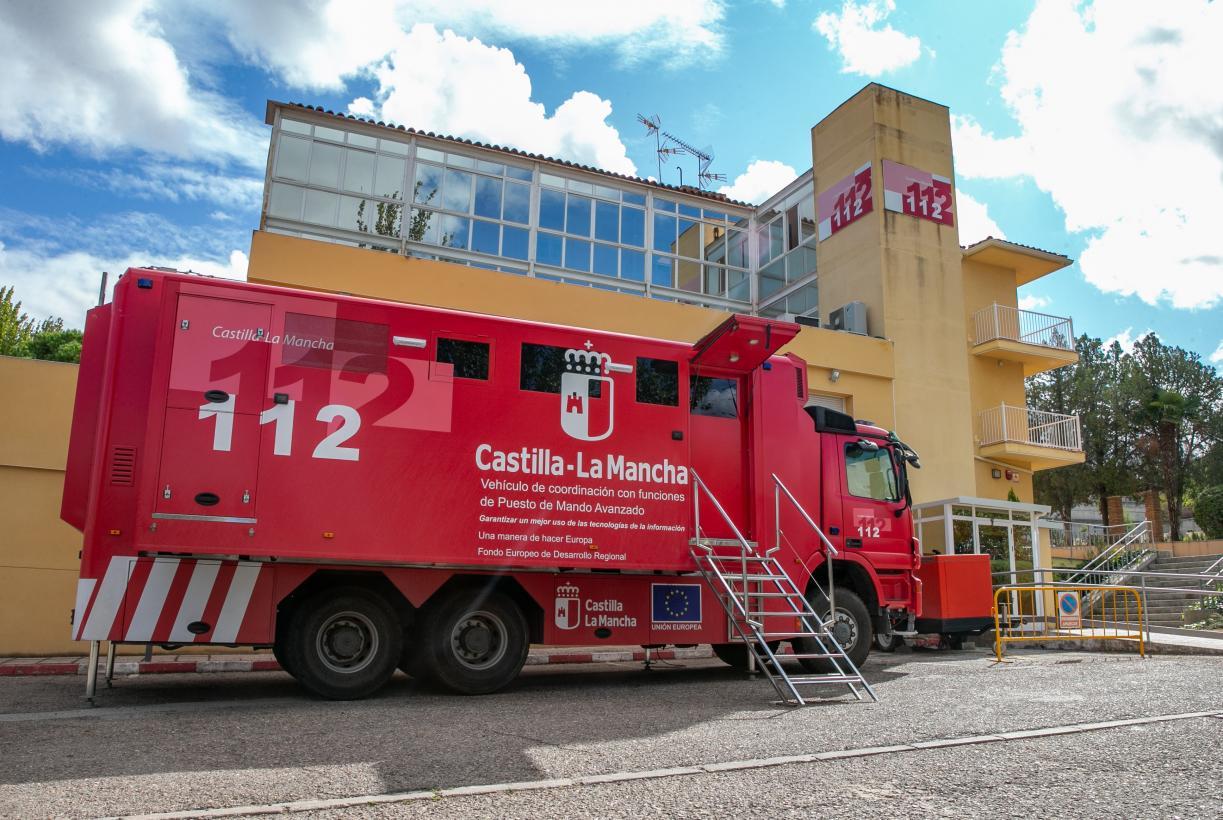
667, 144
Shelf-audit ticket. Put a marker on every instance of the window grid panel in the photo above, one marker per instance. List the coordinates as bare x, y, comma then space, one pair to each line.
719, 277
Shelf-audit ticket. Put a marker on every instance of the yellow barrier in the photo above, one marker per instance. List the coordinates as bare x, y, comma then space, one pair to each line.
1078, 613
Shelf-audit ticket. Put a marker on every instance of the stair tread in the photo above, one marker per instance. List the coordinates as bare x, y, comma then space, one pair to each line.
834, 678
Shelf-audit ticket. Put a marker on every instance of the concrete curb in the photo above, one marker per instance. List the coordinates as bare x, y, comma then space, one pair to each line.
188, 664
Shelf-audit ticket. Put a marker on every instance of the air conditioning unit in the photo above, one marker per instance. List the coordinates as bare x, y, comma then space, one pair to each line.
850, 318
808, 321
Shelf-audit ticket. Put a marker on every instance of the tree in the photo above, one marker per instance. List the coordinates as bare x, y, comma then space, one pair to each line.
1091, 389
21, 336
55, 344
389, 218
1208, 511
1179, 400
15, 326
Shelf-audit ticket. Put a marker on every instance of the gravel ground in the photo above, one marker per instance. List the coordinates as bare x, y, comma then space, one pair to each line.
1164, 770
171, 742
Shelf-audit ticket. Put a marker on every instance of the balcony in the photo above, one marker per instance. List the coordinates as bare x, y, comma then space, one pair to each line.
1032, 439
1038, 341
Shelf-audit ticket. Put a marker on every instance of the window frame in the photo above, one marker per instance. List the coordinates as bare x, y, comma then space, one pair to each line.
895, 477
466, 338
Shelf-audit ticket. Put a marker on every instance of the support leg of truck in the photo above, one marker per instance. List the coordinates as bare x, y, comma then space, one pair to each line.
91, 674
110, 663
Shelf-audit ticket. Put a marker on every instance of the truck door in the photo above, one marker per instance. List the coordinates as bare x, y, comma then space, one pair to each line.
721, 408
210, 443
870, 498
718, 431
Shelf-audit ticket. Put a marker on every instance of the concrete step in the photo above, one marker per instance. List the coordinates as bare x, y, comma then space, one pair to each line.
1203, 561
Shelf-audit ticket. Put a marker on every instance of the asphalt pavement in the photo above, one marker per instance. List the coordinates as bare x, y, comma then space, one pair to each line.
182, 742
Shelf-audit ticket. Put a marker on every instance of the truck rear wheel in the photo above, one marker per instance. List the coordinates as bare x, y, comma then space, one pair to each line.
852, 629
343, 644
735, 654
472, 641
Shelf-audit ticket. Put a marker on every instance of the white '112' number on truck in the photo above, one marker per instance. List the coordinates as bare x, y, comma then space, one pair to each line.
281, 415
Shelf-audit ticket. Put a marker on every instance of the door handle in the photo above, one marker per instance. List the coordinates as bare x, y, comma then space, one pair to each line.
853, 542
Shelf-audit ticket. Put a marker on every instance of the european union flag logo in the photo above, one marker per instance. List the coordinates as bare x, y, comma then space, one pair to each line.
676, 603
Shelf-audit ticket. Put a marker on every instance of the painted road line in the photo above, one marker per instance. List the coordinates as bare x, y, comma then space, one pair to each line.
653, 774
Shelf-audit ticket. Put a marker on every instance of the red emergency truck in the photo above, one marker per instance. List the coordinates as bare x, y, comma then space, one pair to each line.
362, 485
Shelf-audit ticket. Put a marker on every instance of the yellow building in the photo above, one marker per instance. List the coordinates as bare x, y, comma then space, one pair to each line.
931, 341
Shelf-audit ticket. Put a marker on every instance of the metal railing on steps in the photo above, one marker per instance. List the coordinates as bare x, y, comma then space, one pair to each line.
748, 610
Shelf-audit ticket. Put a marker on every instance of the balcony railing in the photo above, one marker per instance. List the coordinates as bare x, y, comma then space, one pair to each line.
1023, 425
1024, 326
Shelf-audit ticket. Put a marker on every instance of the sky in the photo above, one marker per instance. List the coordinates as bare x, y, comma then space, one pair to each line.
132, 131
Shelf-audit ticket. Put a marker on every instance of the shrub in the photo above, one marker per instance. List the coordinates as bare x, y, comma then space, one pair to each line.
1208, 511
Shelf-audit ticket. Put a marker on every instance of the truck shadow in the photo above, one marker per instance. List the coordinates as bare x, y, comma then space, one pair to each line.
553, 722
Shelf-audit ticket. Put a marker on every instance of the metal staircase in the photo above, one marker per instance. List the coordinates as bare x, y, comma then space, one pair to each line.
763, 606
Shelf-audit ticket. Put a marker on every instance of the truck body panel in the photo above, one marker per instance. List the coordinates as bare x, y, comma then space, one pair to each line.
232, 441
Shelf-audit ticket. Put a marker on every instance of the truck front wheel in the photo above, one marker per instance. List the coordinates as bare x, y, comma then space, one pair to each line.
852, 629
343, 644
472, 641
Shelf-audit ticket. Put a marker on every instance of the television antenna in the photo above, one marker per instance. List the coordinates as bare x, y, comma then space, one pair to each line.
667, 145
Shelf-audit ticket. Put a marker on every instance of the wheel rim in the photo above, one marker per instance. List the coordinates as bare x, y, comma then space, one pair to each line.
845, 629
478, 640
347, 642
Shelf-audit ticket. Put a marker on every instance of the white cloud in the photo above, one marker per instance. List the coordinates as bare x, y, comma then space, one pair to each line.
99, 76
173, 183
66, 284
319, 44
1127, 339
1217, 356
459, 86
1033, 302
974, 220
867, 44
1120, 117
762, 179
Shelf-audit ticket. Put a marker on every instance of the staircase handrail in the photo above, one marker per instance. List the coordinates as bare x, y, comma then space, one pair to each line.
814, 526
743, 542
696, 503
830, 551
1111, 552
1213, 573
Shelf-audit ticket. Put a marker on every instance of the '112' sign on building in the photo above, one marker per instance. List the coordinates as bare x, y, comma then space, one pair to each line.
917, 193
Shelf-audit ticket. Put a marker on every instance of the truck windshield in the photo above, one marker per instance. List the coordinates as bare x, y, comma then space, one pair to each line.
870, 474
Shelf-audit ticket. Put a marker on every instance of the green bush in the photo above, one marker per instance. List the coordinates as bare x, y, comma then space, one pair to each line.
1208, 511
1207, 613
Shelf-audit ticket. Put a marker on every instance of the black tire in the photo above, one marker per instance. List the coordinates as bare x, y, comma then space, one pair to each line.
853, 630
888, 641
280, 647
954, 641
343, 644
472, 641
735, 654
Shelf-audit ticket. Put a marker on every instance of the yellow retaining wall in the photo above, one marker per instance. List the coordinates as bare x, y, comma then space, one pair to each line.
38, 561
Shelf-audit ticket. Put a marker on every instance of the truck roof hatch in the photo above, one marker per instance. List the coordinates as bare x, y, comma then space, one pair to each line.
741, 343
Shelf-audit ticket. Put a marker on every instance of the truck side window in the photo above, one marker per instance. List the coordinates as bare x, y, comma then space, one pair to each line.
714, 397
541, 369
870, 474
470, 359
334, 344
657, 381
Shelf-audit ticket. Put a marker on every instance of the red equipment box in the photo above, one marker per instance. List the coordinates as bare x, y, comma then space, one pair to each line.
957, 594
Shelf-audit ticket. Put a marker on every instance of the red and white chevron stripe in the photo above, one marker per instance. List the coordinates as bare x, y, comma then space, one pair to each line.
155, 600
